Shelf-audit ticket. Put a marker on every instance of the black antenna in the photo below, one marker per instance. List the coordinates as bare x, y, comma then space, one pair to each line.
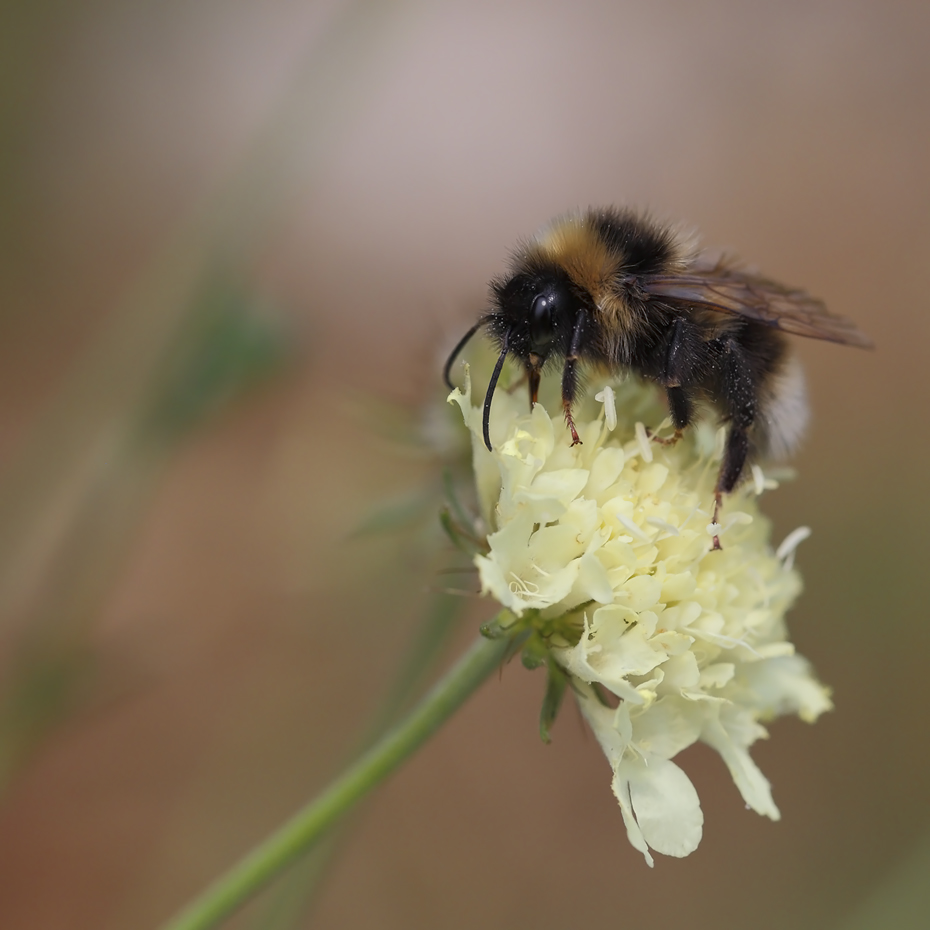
455, 353
487, 397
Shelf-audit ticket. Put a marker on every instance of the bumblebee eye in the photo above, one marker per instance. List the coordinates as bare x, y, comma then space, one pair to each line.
541, 331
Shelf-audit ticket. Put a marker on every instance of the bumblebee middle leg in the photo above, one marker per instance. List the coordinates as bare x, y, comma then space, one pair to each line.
681, 407
677, 375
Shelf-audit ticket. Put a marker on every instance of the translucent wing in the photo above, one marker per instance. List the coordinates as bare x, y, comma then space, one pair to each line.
728, 289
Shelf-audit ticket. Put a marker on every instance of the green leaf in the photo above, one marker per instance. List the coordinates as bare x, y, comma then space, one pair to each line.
556, 681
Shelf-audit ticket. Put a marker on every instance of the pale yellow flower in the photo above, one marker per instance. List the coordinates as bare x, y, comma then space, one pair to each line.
607, 546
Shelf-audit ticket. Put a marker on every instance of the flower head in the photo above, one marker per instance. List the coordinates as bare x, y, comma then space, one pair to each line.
605, 549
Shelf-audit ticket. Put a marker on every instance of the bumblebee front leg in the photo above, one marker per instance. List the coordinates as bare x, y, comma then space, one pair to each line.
570, 375
532, 375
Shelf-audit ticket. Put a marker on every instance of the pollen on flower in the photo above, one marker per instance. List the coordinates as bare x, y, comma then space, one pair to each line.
790, 543
607, 546
642, 438
762, 482
606, 397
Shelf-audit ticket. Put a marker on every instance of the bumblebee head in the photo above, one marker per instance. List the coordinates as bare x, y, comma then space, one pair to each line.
533, 313
532, 316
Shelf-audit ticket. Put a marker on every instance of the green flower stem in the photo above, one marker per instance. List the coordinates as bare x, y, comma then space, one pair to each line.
308, 825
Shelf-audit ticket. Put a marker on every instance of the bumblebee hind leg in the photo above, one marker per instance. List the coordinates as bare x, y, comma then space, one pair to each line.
735, 454
737, 392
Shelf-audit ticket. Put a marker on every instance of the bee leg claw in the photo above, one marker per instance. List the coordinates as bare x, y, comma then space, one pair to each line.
570, 422
664, 440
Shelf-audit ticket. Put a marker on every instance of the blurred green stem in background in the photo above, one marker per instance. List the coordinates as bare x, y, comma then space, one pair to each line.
291, 899
56, 592
309, 825
287, 902
899, 900
78, 488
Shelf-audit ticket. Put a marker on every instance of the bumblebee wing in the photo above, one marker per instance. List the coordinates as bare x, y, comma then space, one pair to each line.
731, 290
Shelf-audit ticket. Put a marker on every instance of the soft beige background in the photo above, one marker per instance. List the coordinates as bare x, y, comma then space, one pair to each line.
365, 167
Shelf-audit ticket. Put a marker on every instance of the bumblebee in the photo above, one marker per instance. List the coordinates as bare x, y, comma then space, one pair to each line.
618, 291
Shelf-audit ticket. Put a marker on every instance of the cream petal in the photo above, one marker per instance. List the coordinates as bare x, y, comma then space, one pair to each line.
641, 592
592, 583
652, 477
563, 485
681, 673
605, 470
664, 803
787, 685
752, 784
669, 725
621, 789
716, 676
632, 654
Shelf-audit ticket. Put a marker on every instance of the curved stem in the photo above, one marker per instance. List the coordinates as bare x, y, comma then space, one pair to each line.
308, 825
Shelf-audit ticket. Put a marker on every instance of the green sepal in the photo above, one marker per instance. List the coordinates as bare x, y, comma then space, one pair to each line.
535, 653
598, 691
556, 680
501, 627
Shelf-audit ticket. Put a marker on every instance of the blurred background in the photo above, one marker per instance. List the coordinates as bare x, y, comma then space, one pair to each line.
237, 239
